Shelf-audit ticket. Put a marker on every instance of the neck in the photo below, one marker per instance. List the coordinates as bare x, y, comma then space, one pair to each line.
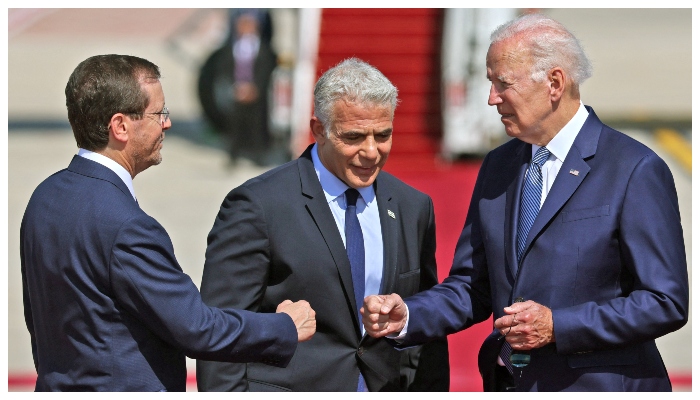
562, 113
120, 158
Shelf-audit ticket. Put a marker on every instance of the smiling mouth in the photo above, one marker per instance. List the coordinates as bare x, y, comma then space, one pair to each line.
365, 170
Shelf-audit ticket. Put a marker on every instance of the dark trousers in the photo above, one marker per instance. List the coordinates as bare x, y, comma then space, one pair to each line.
499, 380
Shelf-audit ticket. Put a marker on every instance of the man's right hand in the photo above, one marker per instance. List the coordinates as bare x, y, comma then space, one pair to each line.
303, 315
384, 314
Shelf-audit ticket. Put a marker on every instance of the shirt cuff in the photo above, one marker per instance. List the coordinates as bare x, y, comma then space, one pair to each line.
399, 337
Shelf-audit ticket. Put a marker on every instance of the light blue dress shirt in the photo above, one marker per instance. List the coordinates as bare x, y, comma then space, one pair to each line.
368, 214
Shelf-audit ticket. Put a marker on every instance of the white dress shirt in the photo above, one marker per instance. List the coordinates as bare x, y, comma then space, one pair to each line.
559, 147
111, 164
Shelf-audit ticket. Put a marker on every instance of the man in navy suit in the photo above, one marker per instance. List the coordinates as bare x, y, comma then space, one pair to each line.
584, 281
285, 234
107, 306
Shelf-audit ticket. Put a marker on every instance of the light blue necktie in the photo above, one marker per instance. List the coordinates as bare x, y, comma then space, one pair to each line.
529, 208
355, 247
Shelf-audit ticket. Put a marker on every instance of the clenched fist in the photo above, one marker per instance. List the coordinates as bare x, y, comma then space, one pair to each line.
383, 314
303, 315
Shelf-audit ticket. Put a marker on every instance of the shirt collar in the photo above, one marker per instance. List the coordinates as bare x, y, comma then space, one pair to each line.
561, 143
332, 186
112, 165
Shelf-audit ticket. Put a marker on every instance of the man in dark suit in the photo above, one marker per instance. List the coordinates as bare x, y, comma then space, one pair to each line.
329, 227
107, 306
573, 238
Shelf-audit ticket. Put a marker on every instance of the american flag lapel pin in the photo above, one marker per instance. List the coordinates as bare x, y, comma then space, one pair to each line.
573, 172
391, 214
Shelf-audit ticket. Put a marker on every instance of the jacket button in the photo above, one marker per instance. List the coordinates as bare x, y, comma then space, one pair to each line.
360, 351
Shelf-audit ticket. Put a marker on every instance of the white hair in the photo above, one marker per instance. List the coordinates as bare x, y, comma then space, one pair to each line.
552, 45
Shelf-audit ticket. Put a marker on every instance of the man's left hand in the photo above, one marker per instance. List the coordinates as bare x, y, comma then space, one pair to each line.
526, 325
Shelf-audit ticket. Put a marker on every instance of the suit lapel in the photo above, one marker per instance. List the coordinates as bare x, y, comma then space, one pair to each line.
320, 212
389, 224
566, 183
513, 194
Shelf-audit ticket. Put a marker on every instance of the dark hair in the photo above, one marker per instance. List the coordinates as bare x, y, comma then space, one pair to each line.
102, 86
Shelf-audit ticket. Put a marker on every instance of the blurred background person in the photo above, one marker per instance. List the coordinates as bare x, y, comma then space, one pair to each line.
241, 70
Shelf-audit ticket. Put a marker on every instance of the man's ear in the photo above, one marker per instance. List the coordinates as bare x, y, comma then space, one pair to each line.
119, 128
317, 130
557, 83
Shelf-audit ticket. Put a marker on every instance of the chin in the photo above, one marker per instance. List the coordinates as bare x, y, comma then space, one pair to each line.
514, 133
359, 182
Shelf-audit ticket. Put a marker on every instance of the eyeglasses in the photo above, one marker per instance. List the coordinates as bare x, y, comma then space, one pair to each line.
164, 115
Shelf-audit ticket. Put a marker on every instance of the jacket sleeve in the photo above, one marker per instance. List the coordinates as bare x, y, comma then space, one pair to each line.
463, 298
150, 285
235, 275
28, 316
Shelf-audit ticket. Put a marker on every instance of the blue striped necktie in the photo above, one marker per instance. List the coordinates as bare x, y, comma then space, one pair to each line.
531, 198
355, 247
529, 208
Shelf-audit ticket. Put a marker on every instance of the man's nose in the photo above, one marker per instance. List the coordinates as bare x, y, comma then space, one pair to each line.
369, 147
494, 96
167, 124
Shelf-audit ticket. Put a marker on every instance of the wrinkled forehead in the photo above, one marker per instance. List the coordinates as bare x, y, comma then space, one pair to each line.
153, 90
147, 79
351, 102
508, 56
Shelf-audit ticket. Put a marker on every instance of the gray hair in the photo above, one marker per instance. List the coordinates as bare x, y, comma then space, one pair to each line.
353, 80
552, 45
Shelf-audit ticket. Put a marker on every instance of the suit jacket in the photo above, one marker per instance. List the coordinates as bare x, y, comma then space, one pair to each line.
275, 238
108, 307
605, 253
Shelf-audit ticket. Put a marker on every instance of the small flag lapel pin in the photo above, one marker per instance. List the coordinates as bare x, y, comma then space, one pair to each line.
391, 214
573, 172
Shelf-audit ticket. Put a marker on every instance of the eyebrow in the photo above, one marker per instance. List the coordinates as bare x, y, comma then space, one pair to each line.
386, 131
364, 133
